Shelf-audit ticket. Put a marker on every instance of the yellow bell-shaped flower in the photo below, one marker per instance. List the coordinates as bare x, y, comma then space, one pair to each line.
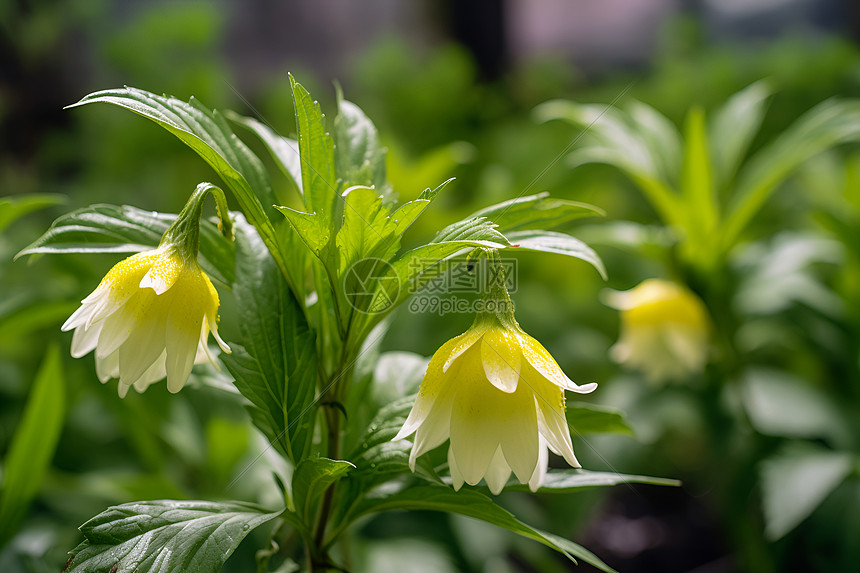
664, 330
151, 315
499, 396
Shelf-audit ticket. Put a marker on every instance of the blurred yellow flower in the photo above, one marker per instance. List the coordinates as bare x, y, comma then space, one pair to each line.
664, 330
150, 317
499, 396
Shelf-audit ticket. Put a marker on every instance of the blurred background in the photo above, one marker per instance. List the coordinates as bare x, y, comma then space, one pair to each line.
452, 87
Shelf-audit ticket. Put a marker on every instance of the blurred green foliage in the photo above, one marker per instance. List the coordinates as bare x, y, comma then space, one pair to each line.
790, 424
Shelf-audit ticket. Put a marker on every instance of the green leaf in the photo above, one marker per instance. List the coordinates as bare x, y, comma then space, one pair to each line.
586, 418
278, 372
734, 126
165, 536
535, 212
208, 134
285, 151
621, 143
830, 123
115, 229
472, 504
33, 444
661, 137
780, 404
312, 477
795, 481
14, 207
697, 184
359, 156
316, 150
367, 231
309, 227
559, 243
569, 481
473, 229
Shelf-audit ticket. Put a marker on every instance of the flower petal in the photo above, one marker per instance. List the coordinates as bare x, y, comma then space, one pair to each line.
461, 344
543, 362
501, 356
432, 387
497, 473
182, 342
540, 470
144, 345
85, 340
456, 476
164, 272
519, 436
108, 367
553, 427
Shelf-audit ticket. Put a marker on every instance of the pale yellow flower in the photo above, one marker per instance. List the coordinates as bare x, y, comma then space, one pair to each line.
664, 330
150, 317
499, 396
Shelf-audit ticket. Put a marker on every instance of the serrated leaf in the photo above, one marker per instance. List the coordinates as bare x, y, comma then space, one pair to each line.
285, 151
33, 444
585, 418
309, 227
165, 536
207, 133
16, 206
367, 232
472, 229
535, 212
559, 243
359, 156
316, 150
312, 477
795, 481
114, 229
477, 505
278, 373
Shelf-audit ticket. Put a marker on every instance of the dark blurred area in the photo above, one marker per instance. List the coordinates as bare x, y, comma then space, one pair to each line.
451, 86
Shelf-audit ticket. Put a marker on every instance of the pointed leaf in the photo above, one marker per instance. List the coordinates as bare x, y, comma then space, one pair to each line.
165, 536
830, 123
535, 212
477, 505
586, 418
312, 477
281, 379
734, 126
472, 229
115, 229
359, 156
795, 482
16, 206
285, 151
559, 243
697, 185
207, 133
316, 150
33, 444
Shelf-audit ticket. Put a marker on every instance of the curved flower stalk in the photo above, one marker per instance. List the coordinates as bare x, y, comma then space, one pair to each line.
664, 330
151, 315
499, 396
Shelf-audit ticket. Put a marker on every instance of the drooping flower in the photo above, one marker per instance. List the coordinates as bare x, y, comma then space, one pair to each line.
664, 330
151, 315
499, 396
